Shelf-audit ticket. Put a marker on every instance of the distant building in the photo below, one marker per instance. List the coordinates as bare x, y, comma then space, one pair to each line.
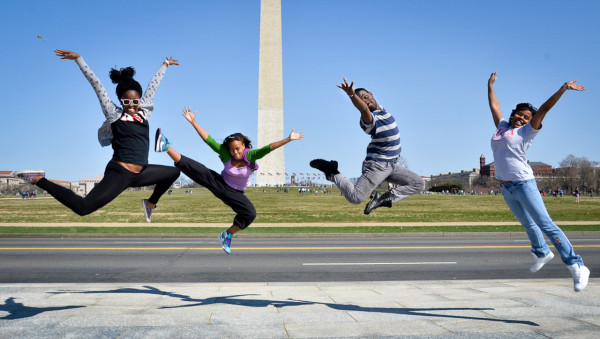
85, 185
63, 183
82, 187
540, 169
464, 177
10, 181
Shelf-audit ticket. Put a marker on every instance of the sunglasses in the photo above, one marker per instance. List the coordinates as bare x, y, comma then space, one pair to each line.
130, 101
231, 137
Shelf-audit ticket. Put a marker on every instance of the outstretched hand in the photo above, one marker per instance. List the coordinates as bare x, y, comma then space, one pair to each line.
66, 54
347, 88
572, 85
171, 61
188, 115
492, 79
296, 136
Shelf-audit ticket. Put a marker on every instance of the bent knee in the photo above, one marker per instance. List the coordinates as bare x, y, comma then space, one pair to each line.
356, 200
251, 215
84, 211
175, 173
245, 218
420, 185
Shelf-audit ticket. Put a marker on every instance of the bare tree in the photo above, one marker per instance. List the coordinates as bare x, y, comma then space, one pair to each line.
587, 174
578, 172
402, 162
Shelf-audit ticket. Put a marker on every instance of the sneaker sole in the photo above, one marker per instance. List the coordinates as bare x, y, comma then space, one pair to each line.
368, 210
145, 211
157, 141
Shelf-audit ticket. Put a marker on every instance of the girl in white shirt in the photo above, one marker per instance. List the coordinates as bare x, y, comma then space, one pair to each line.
520, 191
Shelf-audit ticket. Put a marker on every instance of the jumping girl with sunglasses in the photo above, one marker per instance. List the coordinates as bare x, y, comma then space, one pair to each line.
126, 128
240, 161
519, 188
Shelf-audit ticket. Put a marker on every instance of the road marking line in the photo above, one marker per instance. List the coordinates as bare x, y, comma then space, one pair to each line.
260, 248
379, 263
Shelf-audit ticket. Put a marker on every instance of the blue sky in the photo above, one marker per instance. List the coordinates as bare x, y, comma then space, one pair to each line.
427, 62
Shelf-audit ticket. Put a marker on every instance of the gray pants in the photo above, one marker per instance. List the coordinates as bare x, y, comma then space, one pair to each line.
374, 173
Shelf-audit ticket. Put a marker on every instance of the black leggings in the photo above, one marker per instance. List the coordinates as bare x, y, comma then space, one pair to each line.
213, 181
116, 180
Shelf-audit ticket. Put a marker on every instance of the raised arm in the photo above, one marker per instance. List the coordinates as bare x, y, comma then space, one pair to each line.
536, 121
156, 79
109, 109
362, 107
293, 136
493, 101
191, 117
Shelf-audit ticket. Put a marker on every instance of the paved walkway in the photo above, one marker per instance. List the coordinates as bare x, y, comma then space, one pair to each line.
536, 308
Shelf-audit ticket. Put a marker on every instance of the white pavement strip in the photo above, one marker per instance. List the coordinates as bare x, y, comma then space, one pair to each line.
379, 263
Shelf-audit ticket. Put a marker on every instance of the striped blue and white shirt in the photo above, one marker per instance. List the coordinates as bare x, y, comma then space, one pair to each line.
385, 137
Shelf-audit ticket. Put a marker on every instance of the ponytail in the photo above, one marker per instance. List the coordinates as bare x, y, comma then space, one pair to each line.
124, 80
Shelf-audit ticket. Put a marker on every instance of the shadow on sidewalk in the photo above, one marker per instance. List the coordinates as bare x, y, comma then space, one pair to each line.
234, 300
20, 311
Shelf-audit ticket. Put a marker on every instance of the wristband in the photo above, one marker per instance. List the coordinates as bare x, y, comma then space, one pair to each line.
167, 61
352, 95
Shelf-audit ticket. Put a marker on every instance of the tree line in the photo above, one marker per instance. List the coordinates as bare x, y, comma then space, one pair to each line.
574, 173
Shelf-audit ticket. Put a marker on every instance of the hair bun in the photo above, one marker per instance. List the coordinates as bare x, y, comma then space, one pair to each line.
117, 76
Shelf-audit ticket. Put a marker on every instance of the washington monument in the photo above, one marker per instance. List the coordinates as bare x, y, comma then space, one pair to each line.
270, 93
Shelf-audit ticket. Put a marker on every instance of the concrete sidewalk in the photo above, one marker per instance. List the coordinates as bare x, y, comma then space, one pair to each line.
539, 308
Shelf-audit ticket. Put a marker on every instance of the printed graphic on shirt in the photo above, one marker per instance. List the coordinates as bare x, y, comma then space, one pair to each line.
139, 117
502, 133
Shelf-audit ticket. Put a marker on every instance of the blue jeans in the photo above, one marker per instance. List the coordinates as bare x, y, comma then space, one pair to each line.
524, 200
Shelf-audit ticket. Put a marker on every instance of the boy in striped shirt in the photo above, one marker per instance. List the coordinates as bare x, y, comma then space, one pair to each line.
382, 156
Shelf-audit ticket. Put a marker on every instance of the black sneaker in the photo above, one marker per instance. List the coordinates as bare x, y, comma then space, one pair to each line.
378, 200
330, 168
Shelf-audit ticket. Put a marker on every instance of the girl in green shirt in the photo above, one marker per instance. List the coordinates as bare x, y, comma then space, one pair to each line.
240, 162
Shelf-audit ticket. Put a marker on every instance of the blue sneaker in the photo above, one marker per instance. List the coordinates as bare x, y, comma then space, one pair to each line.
225, 240
161, 142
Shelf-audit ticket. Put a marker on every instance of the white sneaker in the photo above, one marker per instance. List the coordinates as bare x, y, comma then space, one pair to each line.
538, 263
581, 275
147, 210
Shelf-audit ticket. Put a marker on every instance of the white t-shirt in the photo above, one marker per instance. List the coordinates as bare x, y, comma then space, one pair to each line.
509, 146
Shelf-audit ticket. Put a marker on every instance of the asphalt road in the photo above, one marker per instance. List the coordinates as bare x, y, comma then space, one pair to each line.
277, 259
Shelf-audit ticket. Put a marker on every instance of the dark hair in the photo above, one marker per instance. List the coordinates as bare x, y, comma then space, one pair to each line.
238, 137
524, 106
124, 80
361, 89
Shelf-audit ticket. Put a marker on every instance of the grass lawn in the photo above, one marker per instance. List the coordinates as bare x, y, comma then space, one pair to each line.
279, 207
